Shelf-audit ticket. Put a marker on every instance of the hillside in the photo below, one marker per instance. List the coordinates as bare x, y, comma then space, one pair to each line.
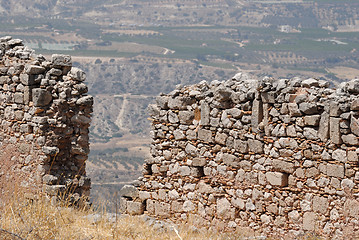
134, 50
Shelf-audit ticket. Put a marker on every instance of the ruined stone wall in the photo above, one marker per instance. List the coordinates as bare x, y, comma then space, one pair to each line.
278, 156
45, 114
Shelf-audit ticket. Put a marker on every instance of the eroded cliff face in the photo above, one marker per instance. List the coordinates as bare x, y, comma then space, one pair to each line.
279, 156
45, 115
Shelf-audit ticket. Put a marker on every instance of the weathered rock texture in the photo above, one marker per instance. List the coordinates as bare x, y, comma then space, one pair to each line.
279, 156
45, 115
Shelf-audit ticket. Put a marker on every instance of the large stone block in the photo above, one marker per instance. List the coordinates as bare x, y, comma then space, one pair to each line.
205, 111
221, 138
255, 146
312, 120
198, 162
59, 60
354, 125
335, 135
230, 160
162, 209
334, 170
129, 191
257, 114
224, 209
241, 146
186, 117
283, 166
41, 97
309, 221
323, 131
277, 179
205, 135
34, 69
135, 208
320, 204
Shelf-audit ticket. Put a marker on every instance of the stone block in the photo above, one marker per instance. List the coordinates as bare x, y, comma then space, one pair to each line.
310, 82
224, 209
41, 97
334, 109
320, 204
172, 117
282, 166
185, 171
309, 221
79, 75
230, 160
135, 208
355, 105
334, 170
354, 125
188, 206
176, 206
255, 146
351, 208
34, 69
340, 155
277, 178
310, 133
19, 98
241, 146
205, 135
179, 135
221, 138
352, 156
186, 117
294, 110
335, 135
308, 108
199, 162
268, 97
162, 209
312, 120
129, 191
257, 114
59, 60
350, 139
205, 111
323, 131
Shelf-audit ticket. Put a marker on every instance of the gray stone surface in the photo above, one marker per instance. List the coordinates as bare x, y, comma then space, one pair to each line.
335, 135
41, 97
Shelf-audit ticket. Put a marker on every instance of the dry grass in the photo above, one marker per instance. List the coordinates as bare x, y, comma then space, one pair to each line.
25, 218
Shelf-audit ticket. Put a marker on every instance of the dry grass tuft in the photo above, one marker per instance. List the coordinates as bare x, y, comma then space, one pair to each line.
38, 219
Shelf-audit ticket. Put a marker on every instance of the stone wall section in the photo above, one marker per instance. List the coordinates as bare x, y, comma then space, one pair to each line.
45, 115
278, 156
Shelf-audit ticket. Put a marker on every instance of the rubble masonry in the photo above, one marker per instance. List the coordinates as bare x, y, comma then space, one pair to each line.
278, 156
45, 115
